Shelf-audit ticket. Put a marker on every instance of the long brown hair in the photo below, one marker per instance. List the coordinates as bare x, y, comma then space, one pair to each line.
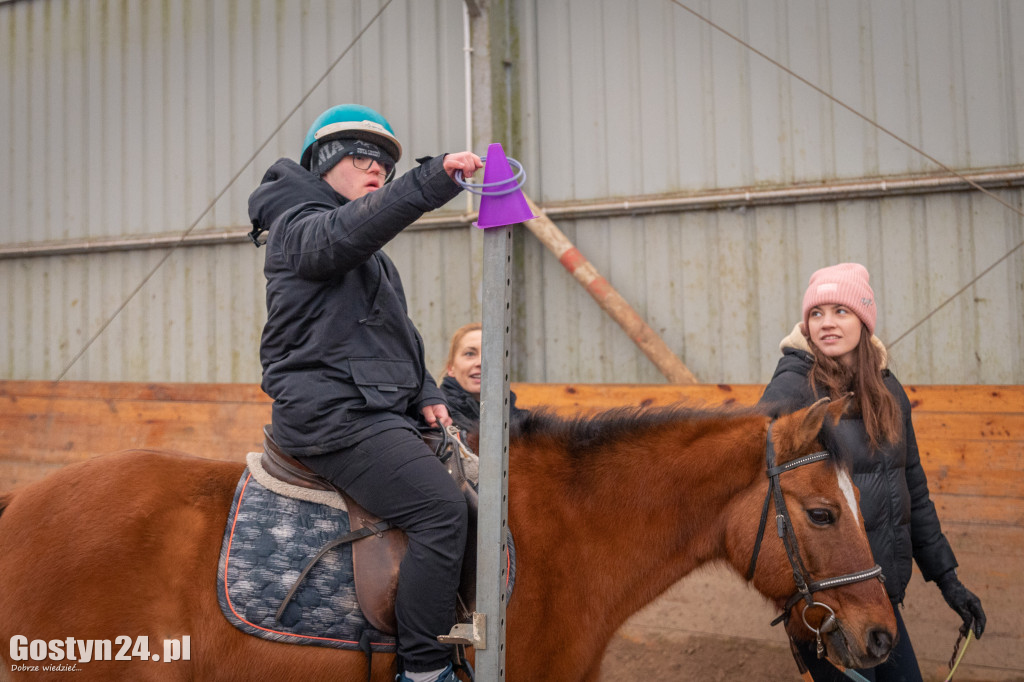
877, 407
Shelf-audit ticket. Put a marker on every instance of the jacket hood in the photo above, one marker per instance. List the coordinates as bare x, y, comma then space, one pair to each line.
285, 185
797, 341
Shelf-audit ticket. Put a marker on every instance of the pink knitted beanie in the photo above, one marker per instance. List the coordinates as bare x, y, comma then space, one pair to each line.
844, 284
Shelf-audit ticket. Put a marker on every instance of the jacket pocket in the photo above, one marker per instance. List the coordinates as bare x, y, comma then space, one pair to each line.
385, 384
384, 303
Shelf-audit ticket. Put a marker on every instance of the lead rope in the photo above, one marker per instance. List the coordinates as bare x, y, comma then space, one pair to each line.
954, 660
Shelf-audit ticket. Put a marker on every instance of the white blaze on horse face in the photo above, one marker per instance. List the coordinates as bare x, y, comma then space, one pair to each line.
846, 485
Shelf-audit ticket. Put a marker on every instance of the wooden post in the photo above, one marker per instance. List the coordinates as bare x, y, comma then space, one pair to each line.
608, 298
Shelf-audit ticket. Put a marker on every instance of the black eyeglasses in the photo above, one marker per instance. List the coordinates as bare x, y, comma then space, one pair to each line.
364, 163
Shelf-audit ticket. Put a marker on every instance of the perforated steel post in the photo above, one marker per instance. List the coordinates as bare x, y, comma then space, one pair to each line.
493, 515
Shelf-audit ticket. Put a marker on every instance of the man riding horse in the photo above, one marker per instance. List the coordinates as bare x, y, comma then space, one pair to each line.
345, 364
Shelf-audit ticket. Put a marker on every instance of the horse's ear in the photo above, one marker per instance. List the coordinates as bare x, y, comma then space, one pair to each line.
838, 407
795, 432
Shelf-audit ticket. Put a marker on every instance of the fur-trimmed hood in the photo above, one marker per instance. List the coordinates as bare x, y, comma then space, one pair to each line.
796, 339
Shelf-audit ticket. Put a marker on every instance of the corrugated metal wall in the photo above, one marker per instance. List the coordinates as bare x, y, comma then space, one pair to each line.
723, 288
194, 321
645, 98
126, 118
641, 98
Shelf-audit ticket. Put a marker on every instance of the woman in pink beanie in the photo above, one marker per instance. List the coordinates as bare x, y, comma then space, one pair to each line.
833, 352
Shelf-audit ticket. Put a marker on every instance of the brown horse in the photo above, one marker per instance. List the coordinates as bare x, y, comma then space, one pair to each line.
608, 512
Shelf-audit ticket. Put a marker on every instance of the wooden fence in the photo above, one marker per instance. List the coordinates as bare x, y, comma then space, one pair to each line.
971, 440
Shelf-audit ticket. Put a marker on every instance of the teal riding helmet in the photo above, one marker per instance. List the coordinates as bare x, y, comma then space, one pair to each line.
350, 121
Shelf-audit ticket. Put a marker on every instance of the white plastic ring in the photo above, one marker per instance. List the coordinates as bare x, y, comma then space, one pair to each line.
488, 189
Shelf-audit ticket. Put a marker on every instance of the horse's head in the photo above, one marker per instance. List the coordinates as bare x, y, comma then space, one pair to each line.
812, 557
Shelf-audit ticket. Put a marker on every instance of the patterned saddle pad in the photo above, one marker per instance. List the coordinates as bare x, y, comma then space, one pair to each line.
268, 540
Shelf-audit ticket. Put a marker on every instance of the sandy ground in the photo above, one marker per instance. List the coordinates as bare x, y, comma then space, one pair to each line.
712, 627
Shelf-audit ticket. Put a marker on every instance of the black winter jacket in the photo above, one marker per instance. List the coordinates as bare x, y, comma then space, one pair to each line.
898, 513
341, 358
465, 409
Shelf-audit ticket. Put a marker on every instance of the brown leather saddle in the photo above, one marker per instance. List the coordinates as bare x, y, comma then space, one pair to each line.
377, 546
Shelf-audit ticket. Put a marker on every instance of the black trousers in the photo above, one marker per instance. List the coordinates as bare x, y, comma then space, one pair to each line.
395, 476
901, 666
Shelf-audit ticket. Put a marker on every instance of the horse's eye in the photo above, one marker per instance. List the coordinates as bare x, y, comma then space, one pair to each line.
821, 517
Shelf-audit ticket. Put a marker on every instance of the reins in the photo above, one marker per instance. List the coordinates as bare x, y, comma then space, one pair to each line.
805, 587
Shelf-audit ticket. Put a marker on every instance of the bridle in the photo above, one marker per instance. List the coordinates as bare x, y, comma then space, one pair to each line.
805, 587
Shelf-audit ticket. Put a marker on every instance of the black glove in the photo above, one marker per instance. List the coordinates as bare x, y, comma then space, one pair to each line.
964, 602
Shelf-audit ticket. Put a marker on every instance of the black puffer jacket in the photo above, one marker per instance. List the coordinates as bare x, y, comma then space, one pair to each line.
465, 409
898, 513
341, 358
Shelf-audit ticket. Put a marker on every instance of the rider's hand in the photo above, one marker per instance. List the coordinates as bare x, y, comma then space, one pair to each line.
467, 162
436, 415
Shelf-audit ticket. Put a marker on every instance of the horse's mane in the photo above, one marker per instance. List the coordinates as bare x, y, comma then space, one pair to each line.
589, 432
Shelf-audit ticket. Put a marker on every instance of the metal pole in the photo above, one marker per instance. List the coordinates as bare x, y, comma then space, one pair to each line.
492, 521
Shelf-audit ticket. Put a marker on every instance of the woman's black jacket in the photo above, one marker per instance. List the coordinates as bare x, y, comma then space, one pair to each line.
465, 409
898, 513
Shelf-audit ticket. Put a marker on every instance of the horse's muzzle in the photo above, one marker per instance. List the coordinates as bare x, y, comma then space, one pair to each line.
834, 642
878, 644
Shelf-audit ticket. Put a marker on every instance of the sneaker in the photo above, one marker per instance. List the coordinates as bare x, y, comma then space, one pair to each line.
447, 675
